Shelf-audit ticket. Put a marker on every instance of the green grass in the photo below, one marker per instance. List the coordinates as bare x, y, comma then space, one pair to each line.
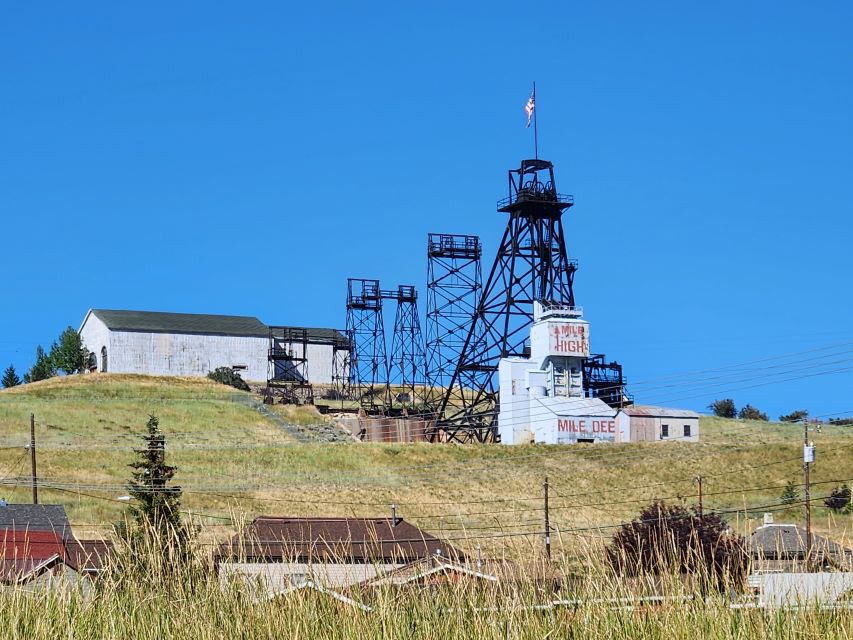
232, 461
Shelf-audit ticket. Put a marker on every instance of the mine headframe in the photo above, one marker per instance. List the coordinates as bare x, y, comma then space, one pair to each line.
372, 374
407, 362
531, 265
368, 367
454, 283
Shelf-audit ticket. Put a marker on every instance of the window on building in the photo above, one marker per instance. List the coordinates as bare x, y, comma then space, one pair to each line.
103, 359
664, 431
687, 431
93, 362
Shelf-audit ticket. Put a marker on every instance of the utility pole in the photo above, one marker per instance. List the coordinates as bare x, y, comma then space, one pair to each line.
33, 458
547, 522
698, 480
808, 458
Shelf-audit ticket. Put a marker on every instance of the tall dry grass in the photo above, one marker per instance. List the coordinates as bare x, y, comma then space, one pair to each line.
143, 595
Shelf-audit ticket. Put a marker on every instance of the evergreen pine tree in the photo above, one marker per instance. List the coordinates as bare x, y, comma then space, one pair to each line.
42, 369
790, 494
157, 503
10, 377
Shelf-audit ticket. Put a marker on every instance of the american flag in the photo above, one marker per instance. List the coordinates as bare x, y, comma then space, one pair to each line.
530, 107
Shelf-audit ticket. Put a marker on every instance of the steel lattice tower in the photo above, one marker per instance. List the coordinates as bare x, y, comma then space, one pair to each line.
531, 264
454, 280
341, 353
408, 363
368, 366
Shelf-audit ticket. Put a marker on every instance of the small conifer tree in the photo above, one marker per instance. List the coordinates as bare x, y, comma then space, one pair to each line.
42, 369
790, 494
157, 502
10, 377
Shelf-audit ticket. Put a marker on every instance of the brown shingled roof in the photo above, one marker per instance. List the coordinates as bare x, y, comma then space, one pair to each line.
357, 540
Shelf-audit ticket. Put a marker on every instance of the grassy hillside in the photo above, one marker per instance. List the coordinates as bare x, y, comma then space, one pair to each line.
233, 461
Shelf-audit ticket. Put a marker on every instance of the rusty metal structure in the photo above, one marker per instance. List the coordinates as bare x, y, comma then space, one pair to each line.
454, 282
531, 265
368, 363
287, 367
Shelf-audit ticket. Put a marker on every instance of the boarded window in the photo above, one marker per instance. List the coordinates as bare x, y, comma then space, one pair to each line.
103, 359
687, 431
664, 431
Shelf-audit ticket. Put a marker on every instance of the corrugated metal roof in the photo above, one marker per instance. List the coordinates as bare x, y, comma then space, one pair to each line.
161, 322
648, 411
334, 540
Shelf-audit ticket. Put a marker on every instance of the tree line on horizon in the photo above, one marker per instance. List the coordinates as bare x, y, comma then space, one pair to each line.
726, 408
67, 356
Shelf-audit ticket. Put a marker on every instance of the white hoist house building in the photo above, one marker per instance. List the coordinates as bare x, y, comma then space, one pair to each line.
542, 398
190, 344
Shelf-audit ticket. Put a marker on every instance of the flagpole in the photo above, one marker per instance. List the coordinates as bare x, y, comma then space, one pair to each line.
535, 124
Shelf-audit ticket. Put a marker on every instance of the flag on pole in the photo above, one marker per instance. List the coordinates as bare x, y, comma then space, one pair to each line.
530, 107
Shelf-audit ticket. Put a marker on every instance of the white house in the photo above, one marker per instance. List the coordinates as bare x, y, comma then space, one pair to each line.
189, 344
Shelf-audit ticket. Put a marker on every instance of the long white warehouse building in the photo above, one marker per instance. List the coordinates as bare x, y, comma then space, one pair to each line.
189, 344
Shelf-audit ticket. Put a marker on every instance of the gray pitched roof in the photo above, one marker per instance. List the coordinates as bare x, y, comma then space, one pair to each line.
779, 541
36, 517
161, 322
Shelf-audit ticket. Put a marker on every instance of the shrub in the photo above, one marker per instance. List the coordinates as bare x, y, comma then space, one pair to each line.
795, 416
749, 412
724, 408
666, 535
226, 375
839, 498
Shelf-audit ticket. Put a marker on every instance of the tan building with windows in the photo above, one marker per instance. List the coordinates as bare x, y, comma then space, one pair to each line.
642, 423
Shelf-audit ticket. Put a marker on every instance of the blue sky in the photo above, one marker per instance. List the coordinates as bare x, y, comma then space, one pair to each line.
247, 160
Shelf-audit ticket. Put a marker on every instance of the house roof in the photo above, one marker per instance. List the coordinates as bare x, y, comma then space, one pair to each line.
88, 555
788, 541
334, 540
161, 322
27, 553
38, 545
36, 517
648, 411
